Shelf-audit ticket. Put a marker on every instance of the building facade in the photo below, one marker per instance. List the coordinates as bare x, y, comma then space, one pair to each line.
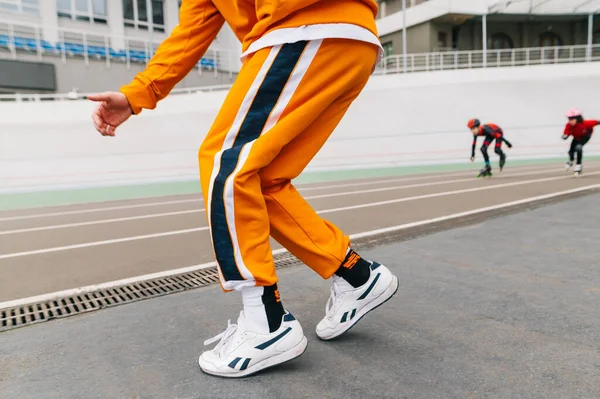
94, 45
440, 25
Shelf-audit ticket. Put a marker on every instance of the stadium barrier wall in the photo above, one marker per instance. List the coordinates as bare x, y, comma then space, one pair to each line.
398, 120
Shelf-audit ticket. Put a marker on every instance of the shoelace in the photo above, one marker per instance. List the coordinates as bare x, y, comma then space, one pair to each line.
330, 308
223, 338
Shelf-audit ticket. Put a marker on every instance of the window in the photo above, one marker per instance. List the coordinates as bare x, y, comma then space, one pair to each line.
388, 49
20, 6
500, 41
442, 40
596, 37
136, 14
83, 10
550, 39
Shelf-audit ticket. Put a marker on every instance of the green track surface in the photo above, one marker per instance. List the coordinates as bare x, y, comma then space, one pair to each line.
38, 199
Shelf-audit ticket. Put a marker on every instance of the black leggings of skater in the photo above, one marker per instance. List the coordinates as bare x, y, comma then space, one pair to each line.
577, 148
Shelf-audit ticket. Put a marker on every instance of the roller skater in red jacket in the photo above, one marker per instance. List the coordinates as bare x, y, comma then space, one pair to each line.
490, 132
581, 130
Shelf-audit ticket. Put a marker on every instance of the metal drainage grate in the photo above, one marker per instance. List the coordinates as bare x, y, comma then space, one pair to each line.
34, 313
68, 306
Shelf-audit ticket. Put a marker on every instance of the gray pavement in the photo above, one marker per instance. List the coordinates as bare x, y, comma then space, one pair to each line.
507, 308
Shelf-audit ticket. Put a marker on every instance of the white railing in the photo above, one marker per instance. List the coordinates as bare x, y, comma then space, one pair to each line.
82, 96
18, 39
492, 58
416, 63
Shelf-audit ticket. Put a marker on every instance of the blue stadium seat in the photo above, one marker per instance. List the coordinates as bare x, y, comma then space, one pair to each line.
74, 49
135, 55
47, 45
118, 54
97, 51
207, 62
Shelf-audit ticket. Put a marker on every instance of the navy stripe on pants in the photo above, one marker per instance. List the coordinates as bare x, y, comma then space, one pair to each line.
250, 130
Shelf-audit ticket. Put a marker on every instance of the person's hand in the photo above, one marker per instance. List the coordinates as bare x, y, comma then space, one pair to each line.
472, 159
112, 110
564, 137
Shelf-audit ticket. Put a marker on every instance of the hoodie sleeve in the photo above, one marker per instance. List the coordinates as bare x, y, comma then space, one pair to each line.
199, 23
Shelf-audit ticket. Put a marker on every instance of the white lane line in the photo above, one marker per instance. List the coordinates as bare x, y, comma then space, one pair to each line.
102, 221
473, 211
445, 193
102, 209
418, 185
324, 211
174, 202
175, 213
172, 272
465, 173
111, 284
104, 242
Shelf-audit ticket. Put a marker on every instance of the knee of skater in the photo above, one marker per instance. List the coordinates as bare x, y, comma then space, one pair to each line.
578, 147
484, 148
498, 151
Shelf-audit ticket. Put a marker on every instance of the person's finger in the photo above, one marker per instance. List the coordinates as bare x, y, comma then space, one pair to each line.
99, 97
99, 123
110, 130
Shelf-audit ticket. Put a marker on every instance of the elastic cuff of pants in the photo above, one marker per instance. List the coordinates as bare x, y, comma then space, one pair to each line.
252, 296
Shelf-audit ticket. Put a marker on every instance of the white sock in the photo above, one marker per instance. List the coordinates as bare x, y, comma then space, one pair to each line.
254, 309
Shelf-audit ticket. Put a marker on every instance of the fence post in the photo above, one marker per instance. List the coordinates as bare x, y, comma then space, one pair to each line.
38, 43
63, 54
127, 53
11, 37
590, 37
107, 47
85, 50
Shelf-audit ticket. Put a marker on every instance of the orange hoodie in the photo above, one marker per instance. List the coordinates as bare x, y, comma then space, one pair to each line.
201, 20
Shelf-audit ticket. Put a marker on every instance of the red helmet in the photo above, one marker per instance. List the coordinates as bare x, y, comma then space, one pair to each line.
473, 123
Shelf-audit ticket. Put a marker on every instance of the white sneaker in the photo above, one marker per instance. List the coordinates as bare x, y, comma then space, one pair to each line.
568, 165
347, 305
241, 352
577, 168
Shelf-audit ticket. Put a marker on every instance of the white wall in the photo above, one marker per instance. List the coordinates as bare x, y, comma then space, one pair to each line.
397, 120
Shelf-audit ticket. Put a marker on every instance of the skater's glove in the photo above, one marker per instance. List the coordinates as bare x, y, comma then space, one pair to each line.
564, 137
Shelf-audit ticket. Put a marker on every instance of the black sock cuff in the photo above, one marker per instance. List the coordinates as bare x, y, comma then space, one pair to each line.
354, 269
273, 306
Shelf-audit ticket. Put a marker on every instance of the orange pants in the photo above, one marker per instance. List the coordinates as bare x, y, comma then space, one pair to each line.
284, 104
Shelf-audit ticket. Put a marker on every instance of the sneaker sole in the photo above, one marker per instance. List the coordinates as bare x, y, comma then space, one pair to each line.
282, 358
387, 295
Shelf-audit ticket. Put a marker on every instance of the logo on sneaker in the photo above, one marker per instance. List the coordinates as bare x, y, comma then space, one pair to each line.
364, 295
270, 342
345, 316
244, 365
